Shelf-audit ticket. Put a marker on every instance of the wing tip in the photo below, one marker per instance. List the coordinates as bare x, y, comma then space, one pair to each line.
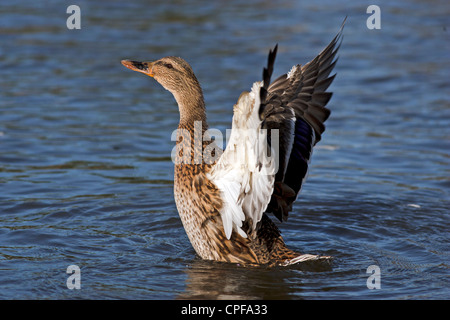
267, 74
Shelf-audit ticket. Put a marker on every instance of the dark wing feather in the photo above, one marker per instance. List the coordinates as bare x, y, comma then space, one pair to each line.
295, 105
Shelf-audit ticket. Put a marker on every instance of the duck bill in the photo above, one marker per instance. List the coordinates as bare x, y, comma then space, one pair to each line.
143, 67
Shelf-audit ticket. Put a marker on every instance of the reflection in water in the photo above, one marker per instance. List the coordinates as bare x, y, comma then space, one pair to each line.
221, 281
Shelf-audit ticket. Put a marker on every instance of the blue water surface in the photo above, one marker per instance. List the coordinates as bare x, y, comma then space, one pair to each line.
86, 176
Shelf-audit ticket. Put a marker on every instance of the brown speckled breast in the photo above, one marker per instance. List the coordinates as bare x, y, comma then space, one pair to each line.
199, 202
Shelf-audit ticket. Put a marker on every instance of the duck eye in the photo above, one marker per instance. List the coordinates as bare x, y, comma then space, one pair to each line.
168, 65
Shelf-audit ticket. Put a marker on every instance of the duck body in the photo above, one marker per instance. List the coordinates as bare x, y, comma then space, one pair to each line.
223, 196
199, 203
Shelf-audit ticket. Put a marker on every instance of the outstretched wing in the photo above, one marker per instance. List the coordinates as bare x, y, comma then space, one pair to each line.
301, 92
245, 172
275, 127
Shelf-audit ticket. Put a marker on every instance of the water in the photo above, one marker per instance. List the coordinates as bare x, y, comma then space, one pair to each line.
86, 176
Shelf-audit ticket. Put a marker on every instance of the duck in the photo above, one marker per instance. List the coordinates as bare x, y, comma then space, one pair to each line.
224, 197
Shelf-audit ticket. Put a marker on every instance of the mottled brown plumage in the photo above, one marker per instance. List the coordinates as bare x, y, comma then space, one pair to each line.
199, 202
294, 104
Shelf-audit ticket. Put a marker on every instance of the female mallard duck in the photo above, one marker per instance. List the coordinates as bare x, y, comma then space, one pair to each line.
223, 202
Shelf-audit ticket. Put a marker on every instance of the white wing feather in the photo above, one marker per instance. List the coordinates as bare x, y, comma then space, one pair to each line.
244, 173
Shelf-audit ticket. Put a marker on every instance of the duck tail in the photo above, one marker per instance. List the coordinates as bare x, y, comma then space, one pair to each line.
312, 259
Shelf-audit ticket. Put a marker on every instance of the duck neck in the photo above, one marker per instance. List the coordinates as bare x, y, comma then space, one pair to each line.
192, 106
192, 126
